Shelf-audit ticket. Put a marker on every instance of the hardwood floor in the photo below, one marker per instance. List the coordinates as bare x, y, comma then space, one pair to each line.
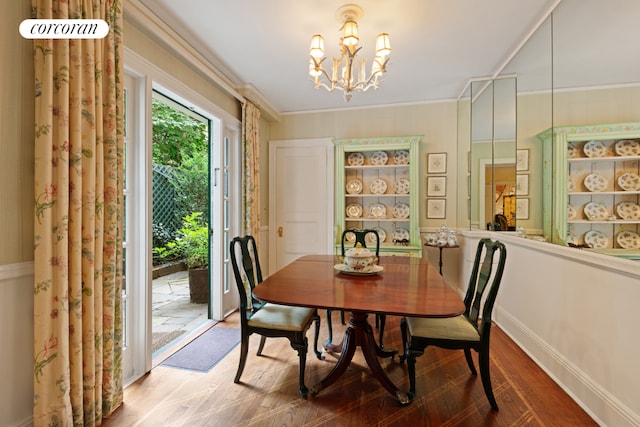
447, 393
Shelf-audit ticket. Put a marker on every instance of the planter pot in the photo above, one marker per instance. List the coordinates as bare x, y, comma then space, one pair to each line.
199, 285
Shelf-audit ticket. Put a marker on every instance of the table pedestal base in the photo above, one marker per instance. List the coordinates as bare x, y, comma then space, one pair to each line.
359, 333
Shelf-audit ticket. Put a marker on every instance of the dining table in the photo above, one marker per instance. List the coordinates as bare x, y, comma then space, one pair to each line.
405, 286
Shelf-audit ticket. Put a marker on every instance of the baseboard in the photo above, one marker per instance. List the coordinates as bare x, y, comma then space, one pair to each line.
575, 382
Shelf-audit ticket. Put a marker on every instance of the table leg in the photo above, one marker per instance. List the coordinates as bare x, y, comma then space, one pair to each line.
359, 333
440, 261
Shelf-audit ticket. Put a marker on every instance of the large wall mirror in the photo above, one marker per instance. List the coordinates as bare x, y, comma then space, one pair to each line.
579, 67
493, 153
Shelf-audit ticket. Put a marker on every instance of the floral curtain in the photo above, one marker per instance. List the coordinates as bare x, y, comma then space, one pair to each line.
78, 218
251, 170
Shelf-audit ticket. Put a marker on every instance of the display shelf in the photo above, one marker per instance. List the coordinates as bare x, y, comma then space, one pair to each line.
380, 177
588, 171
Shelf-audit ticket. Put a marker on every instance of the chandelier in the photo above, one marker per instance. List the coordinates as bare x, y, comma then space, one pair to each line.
348, 72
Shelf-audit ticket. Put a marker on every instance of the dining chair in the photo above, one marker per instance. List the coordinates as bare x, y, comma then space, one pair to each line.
468, 331
356, 236
265, 319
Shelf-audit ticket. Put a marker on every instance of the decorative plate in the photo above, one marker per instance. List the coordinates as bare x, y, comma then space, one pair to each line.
354, 210
377, 210
401, 186
367, 271
378, 158
378, 186
594, 149
628, 240
595, 211
371, 238
629, 181
571, 186
571, 212
595, 182
628, 210
596, 239
627, 147
401, 210
400, 234
401, 157
572, 151
571, 238
354, 186
350, 237
355, 159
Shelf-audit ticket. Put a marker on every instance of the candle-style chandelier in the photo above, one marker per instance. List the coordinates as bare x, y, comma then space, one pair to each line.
348, 72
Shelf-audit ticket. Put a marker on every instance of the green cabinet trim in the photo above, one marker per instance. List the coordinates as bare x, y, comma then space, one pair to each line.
378, 207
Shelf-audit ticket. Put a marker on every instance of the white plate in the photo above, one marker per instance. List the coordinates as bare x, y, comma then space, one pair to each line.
594, 149
354, 186
377, 210
400, 234
596, 211
401, 186
401, 211
595, 182
572, 151
371, 238
401, 157
629, 181
627, 147
596, 239
571, 212
354, 210
355, 159
571, 186
378, 158
628, 210
367, 271
378, 186
628, 240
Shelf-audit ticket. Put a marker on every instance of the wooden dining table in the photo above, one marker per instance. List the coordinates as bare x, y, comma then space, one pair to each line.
407, 286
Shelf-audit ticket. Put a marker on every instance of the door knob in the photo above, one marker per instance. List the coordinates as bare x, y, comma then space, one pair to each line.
279, 231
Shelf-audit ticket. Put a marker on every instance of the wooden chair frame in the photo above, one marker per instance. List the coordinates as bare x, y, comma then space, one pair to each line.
250, 305
481, 280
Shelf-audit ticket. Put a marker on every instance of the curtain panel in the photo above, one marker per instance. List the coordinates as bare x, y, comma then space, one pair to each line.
251, 170
78, 218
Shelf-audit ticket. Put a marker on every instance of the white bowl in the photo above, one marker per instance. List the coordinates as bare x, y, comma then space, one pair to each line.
359, 258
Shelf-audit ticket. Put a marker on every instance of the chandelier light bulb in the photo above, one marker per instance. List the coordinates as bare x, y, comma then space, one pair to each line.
348, 72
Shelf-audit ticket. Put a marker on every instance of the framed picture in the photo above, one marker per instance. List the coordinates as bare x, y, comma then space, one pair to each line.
436, 186
522, 208
437, 163
522, 159
522, 185
436, 208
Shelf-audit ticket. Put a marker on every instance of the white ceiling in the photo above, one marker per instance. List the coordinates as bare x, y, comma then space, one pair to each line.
437, 45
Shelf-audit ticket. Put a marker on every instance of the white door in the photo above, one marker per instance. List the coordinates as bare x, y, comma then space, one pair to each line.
300, 200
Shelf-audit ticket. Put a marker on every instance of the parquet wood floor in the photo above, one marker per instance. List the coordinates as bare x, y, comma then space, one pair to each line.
447, 393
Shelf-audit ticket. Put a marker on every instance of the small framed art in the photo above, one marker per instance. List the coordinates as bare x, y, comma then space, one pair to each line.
522, 159
522, 208
522, 185
437, 163
436, 208
436, 186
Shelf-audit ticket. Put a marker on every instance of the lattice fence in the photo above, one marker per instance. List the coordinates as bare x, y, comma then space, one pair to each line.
164, 205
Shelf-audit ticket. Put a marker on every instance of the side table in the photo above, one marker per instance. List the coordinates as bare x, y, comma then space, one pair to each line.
440, 247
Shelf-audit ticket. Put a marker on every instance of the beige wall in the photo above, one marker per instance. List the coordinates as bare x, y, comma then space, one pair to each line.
155, 52
16, 136
436, 122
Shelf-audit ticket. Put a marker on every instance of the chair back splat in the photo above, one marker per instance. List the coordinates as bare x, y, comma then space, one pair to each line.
467, 332
265, 319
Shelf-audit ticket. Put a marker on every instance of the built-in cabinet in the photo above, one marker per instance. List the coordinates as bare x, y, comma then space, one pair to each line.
377, 187
592, 187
